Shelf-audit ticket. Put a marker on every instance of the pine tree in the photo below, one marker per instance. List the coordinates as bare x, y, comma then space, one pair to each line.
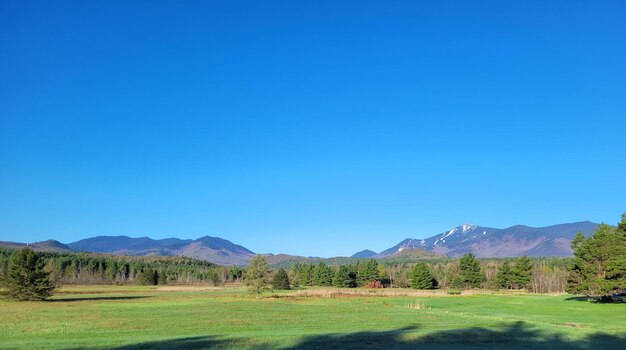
470, 274
322, 275
421, 277
599, 266
257, 276
149, 277
26, 279
367, 271
281, 280
305, 275
453, 275
504, 279
522, 272
344, 277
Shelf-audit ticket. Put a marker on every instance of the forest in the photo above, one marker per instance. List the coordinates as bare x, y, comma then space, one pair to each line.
543, 275
84, 268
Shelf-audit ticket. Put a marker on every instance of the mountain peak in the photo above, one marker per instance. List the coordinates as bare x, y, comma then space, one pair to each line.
468, 227
52, 244
364, 254
208, 238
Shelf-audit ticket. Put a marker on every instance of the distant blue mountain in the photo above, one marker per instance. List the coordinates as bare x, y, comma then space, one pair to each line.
213, 249
364, 254
107, 244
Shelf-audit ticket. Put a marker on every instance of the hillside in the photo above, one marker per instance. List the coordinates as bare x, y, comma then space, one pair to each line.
50, 246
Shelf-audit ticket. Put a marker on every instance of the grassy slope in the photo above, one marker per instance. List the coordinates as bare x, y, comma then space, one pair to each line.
143, 317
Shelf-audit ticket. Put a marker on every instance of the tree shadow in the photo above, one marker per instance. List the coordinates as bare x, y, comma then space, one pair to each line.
391, 339
512, 336
189, 343
597, 300
62, 300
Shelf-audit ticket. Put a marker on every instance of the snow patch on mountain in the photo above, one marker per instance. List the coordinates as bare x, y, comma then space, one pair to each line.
468, 227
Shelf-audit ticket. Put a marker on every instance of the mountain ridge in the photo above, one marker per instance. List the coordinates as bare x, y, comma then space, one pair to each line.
214, 249
50, 246
516, 240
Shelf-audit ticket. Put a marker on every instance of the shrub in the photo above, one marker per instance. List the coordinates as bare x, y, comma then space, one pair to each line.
374, 284
280, 280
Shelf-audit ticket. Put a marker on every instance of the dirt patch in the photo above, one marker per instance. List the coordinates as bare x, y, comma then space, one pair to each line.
359, 293
574, 325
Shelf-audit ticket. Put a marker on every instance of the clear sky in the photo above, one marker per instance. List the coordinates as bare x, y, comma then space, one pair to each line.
308, 127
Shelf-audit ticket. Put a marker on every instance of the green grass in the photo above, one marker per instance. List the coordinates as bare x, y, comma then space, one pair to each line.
131, 317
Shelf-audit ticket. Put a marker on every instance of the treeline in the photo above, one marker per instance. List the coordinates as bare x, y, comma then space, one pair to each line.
85, 268
538, 275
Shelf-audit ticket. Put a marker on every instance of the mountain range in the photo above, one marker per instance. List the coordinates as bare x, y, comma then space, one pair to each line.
482, 241
486, 242
213, 249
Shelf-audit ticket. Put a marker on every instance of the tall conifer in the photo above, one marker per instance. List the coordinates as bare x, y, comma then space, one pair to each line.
26, 279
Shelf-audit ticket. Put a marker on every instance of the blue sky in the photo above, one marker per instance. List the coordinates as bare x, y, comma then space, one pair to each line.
311, 128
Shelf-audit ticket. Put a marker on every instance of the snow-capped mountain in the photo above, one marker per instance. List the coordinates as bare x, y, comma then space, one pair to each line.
492, 242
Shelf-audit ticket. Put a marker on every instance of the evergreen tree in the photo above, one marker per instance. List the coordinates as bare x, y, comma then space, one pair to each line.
421, 277
281, 279
522, 273
26, 279
149, 277
257, 276
235, 273
322, 275
504, 279
367, 271
453, 275
470, 274
305, 275
599, 266
344, 277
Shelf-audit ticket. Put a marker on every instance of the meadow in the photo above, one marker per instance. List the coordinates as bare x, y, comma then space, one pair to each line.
196, 317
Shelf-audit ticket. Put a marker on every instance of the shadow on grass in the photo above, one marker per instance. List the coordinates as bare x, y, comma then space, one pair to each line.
202, 342
511, 336
97, 298
598, 300
517, 335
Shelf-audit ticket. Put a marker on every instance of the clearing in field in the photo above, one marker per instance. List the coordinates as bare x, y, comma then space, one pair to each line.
131, 317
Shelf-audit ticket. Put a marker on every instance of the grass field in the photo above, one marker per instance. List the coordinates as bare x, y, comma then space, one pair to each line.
131, 317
